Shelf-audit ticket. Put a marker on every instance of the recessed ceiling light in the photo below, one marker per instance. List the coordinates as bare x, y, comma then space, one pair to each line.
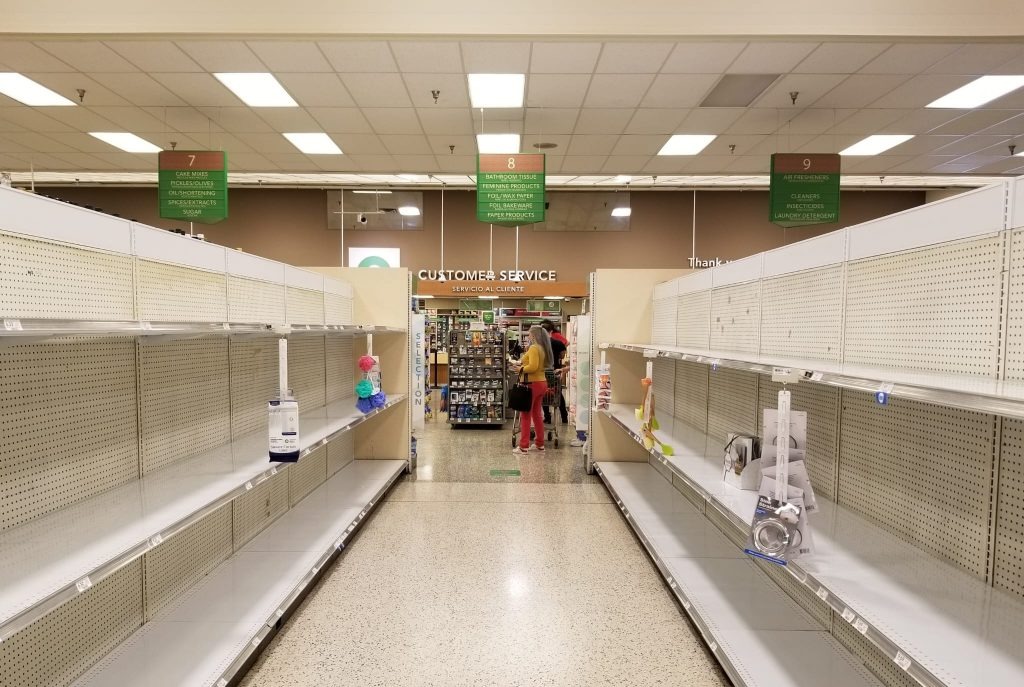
623, 179
686, 144
418, 178
257, 89
738, 90
375, 193
314, 144
409, 211
979, 92
489, 298
28, 92
622, 212
421, 296
497, 143
497, 90
129, 143
873, 145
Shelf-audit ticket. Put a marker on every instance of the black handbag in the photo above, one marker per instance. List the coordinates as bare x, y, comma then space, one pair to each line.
520, 396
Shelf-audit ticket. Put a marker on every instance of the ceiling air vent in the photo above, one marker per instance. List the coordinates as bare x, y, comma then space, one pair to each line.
738, 90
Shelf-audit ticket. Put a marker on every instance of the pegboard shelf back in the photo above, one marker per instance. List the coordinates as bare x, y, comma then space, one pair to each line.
45, 558
913, 603
207, 634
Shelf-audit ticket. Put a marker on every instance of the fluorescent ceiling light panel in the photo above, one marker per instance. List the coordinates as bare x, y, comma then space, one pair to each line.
622, 212
28, 92
419, 296
314, 144
502, 144
873, 145
738, 90
409, 211
497, 90
623, 179
489, 298
418, 178
979, 92
686, 144
374, 193
257, 89
129, 143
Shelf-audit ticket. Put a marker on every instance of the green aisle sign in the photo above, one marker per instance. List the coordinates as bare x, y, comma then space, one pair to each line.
488, 316
804, 189
543, 306
510, 189
194, 185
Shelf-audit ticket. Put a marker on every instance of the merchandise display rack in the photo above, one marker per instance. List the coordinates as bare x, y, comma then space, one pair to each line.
476, 372
824, 314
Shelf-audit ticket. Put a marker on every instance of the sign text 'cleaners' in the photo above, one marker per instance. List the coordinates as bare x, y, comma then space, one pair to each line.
510, 189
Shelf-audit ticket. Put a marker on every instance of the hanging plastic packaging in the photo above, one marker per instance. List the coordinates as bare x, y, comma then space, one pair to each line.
283, 415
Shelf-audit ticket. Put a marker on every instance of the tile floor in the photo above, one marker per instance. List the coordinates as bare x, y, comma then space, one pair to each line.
461, 578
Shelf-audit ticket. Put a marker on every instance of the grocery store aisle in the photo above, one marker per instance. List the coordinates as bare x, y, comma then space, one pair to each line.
464, 579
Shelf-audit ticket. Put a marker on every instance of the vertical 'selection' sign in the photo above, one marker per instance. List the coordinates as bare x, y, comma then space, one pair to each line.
194, 185
804, 189
510, 189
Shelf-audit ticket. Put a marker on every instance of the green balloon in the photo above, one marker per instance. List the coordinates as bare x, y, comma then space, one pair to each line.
374, 261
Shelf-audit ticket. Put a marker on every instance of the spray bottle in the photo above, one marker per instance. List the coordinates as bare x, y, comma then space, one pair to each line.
283, 414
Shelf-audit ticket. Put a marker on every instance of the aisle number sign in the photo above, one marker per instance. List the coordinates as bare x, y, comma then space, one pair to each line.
194, 185
804, 189
510, 189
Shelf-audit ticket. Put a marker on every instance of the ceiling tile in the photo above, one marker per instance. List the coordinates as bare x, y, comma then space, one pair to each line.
138, 88
585, 144
633, 58
444, 120
921, 90
635, 144
923, 121
452, 87
839, 58
870, 121
377, 90
1014, 127
288, 119
457, 163
440, 144
316, 90
428, 56
67, 83
603, 121
359, 56
656, 121
198, 89
859, 90
750, 164
757, 121
23, 56
827, 143
218, 140
9, 127
966, 145
708, 164
180, 118
11, 162
235, 119
495, 57
328, 163
782, 144
977, 59
556, 90
553, 164
34, 118
812, 121
1015, 66
744, 145
554, 120
564, 58
561, 140
406, 144
809, 87
498, 114
909, 58
87, 56
975, 122
770, 58
341, 120
501, 126
679, 90
414, 163
268, 144
583, 164
43, 143
702, 58
625, 164
614, 90
709, 120
393, 120
249, 162
1006, 165
290, 56
223, 56
293, 161
93, 119
155, 56
360, 144
666, 165
85, 162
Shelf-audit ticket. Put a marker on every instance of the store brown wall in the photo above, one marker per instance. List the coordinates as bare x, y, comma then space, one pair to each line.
291, 225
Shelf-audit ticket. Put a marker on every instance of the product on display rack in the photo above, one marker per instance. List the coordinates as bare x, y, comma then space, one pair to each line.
476, 393
283, 414
646, 414
602, 385
369, 394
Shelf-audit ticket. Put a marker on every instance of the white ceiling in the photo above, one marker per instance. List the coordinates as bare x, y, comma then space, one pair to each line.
608, 105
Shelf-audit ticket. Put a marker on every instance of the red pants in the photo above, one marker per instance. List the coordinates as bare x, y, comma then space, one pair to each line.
536, 413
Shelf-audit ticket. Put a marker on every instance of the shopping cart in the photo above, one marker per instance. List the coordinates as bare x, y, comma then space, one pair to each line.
551, 401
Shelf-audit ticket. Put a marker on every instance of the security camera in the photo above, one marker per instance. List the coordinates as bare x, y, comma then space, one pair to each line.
361, 218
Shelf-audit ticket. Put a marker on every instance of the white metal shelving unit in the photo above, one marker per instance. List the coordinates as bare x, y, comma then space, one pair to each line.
206, 637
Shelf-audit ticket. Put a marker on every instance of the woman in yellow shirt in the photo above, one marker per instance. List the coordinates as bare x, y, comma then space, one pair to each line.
534, 365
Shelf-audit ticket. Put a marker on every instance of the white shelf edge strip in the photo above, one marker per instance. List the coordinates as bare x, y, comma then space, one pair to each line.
923, 667
727, 653
1005, 398
21, 604
20, 329
241, 637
